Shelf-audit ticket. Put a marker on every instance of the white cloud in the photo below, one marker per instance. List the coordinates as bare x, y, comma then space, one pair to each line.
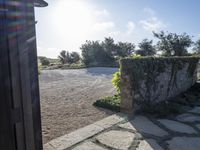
130, 27
103, 26
103, 12
152, 24
114, 33
149, 11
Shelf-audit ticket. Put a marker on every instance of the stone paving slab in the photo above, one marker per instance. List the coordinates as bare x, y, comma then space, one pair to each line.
88, 146
198, 126
117, 139
48, 147
177, 126
79, 135
144, 125
149, 144
195, 110
111, 120
184, 143
118, 133
127, 125
73, 138
188, 118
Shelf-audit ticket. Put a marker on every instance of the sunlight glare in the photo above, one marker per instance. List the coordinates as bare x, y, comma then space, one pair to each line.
72, 19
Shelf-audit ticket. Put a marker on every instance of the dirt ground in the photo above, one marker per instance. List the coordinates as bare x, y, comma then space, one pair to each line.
67, 97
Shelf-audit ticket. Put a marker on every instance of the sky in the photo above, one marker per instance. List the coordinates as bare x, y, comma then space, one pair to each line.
67, 24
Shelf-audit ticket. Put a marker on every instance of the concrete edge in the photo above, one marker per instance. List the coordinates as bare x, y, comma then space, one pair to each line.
73, 138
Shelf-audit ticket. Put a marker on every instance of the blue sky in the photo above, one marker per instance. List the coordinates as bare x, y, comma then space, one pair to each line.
66, 24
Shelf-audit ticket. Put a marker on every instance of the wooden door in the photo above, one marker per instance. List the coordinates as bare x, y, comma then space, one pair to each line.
20, 120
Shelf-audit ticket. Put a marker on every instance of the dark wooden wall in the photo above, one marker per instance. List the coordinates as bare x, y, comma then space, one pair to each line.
20, 120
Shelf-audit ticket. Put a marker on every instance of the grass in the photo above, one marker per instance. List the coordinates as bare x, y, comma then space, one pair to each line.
110, 102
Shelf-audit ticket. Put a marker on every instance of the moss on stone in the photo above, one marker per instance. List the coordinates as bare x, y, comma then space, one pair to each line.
145, 70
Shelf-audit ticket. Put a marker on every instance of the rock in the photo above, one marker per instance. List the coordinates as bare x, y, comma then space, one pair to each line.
117, 139
110, 121
88, 146
127, 125
188, 118
48, 147
149, 144
198, 126
195, 110
177, 126
184, 143
75, 137
144, 125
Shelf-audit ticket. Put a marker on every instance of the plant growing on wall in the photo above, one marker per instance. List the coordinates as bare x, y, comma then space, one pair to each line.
116, 81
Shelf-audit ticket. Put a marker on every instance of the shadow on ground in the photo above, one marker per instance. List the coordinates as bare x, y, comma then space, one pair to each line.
99, 71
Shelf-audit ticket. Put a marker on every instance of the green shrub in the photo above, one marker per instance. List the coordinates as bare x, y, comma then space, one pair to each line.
136, 56
110, 102
116, 80
44, 61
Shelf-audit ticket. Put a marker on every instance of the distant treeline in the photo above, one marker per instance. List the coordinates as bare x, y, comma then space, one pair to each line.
107, 52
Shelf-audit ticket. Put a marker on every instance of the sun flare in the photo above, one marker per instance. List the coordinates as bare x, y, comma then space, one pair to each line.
72, 18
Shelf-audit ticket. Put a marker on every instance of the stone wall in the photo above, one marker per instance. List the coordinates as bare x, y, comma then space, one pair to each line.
150, 80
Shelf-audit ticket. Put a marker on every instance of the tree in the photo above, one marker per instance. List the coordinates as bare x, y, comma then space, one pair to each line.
109, 46
146, 48
172, 44
74, 57
44, 61
64, 57
197, 46
93, 52
102, 53
125, 49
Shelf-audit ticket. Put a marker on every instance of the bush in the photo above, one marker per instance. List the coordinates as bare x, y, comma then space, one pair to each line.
44, 61
110, 102
116, 81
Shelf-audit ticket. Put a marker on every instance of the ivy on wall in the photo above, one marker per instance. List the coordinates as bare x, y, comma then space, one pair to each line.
144, 72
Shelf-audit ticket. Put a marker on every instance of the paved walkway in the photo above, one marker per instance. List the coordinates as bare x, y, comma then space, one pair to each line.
117, 132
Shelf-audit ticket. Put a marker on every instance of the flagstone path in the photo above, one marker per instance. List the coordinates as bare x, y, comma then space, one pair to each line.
118, 132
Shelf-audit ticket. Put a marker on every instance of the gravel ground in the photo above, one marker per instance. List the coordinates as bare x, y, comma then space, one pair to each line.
67, 97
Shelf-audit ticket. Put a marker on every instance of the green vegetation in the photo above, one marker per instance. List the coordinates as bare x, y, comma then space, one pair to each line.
150, 64
172, 44
110, 102
107, 53
44, 61
146, 48
95, 53
116, 81
148, 68
175, 106
196, 48
69, 58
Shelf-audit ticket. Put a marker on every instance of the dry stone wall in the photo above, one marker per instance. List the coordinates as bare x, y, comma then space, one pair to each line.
150, 80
